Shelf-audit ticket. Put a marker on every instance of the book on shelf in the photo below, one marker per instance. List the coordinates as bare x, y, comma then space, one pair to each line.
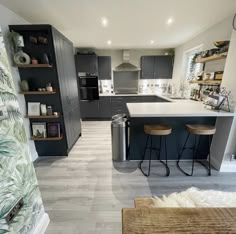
53, 129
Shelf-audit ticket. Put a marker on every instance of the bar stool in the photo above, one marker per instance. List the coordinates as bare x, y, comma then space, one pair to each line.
197, 130
156, 130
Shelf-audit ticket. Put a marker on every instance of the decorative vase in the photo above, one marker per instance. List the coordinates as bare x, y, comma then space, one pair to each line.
21, 58
24, 85
45, 59
34, 61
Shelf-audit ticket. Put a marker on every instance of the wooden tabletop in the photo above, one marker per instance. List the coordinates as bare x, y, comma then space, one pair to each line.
178, 220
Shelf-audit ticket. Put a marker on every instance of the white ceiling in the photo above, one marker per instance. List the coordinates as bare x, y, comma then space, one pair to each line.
131, 23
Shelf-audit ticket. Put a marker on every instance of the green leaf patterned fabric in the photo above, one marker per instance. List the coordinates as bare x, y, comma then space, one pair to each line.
17, 175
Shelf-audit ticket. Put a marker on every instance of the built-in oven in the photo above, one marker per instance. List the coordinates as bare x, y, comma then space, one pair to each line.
88, 88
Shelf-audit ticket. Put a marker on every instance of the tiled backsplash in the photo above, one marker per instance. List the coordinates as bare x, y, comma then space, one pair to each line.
145, 86
153, 86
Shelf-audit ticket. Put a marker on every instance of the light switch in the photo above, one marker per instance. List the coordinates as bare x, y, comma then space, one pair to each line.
3, 112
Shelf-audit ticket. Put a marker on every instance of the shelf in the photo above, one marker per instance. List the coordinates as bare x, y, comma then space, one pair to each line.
43, 116
206, 82
37, 93
211, 58
47, 139
33, 65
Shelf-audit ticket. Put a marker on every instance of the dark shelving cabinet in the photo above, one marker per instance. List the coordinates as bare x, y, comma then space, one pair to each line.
61, 74
104, 67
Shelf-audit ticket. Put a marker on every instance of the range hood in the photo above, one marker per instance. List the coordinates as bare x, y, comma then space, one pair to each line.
126, 66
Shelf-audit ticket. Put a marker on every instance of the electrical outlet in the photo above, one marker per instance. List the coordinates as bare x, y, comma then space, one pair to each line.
14, 211
3, 112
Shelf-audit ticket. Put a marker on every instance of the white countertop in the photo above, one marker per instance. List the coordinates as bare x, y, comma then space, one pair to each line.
177, 108
133, 95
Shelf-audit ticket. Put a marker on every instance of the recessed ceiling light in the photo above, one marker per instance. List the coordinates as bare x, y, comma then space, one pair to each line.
152, 42
109, 42
170, 21
104, 21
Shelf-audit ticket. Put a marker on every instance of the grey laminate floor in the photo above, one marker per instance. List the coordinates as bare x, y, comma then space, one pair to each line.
85, 192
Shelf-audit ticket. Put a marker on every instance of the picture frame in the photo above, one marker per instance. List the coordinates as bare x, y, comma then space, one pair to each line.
53, 129
39, 129
33, 108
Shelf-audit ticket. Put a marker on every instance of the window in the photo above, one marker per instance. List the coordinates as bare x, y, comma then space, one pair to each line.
192, 68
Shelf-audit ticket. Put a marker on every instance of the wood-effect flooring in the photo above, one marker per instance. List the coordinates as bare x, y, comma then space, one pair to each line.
85, 192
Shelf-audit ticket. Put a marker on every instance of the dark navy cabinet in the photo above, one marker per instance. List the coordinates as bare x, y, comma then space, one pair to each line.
156, 67
107, 106
62, 75
163, 67
89, 109
147, 67
87, 63
104, 67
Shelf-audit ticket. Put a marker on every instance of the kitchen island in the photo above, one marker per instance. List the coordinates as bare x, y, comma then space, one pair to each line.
177, 114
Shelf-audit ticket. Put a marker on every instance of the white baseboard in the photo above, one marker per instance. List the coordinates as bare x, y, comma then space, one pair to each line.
228, 166
42, 224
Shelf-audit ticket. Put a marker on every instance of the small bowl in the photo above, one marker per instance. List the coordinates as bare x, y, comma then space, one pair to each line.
221, 43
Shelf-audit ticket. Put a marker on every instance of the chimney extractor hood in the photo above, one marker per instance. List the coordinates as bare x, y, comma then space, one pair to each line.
126, 66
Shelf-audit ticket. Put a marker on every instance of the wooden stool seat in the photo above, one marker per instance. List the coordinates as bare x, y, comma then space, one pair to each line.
157, 130
201, 129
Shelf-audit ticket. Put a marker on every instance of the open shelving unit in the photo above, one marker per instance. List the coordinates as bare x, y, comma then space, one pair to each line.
42, 116
33, 65
61, 73
206, 82
47, 138
37, 93
211, 58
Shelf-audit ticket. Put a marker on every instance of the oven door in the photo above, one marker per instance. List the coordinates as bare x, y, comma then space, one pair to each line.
89, 93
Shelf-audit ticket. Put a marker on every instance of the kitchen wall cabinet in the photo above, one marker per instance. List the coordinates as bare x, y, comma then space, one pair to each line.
87, 63
147, 67
104, 67
156, 67
108, 106
163, 67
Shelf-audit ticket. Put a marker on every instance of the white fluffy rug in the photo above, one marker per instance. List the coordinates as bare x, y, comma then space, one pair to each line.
194, 197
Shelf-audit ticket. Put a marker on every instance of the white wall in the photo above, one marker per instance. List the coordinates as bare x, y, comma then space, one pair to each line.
229, 81
8, 17
220, 31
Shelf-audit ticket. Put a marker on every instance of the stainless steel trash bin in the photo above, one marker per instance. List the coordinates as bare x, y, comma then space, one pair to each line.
119, 139
118, 116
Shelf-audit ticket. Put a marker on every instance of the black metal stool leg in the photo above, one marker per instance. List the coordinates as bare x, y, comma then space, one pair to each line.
145, 150
180, 155
209, 157
150, 159
206, 164
166, 159
197, 143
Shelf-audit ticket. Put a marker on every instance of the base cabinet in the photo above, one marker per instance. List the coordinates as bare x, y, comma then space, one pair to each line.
106, 107
89, 109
